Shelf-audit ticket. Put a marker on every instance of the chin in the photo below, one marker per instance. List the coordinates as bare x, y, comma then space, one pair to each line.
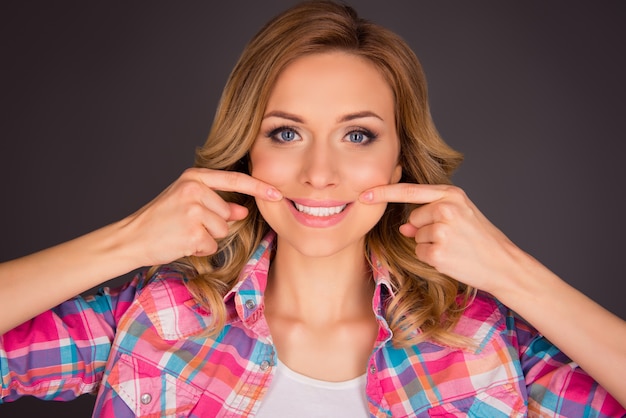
316, 246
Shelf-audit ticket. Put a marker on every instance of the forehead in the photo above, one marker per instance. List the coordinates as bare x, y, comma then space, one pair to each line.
335, 78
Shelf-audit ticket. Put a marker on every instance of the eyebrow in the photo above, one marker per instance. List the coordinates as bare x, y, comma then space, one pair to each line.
344, 118
283, 115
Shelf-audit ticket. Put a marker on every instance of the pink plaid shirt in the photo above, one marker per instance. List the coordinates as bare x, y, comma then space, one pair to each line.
143, 350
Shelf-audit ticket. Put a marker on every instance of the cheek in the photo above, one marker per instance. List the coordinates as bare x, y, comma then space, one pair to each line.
373, 172
264, 207
269, 167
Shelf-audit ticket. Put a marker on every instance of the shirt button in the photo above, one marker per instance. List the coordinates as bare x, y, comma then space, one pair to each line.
372, 369
146, 398
250, 304
265, 365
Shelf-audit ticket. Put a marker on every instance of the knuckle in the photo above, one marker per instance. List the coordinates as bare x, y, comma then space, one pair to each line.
189, 173
207, 247
446, 211
409, 192
435, 255
232, 179
220, 230
414, 216
428, 253
201, 242
221, 208
189, 189
440, 232
453, 190
457, 194
461, 205
193, 243
194, 211
195, 240
196, 237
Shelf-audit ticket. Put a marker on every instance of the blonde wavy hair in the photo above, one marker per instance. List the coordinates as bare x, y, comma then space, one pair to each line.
426, 304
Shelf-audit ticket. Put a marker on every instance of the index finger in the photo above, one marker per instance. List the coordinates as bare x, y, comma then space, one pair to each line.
234, 181
404, 193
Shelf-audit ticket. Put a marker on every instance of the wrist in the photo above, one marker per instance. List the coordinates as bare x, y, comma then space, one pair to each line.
527, 281
118, 245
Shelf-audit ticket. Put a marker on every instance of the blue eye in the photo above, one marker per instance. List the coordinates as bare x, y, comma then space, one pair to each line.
283, 134
287, 135
361, 136
356, 137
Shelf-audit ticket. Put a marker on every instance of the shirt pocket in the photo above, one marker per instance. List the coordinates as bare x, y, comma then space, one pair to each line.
150, 391
499, 401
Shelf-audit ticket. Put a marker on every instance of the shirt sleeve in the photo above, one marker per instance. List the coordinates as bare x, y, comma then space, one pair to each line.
556, 385
61, 354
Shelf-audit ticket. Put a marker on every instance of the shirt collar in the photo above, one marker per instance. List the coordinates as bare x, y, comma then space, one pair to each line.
383, 289
246, 297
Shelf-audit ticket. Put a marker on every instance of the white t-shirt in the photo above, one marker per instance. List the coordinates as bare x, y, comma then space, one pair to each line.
292, 394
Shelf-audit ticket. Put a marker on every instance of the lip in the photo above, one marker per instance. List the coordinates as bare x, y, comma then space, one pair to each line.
318, 221
319, 203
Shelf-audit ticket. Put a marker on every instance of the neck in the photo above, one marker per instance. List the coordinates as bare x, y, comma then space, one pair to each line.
330, 288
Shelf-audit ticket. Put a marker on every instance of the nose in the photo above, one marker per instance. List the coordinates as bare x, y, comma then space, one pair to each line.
320, 166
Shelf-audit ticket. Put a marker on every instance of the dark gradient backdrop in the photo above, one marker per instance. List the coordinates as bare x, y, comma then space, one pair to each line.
103, 104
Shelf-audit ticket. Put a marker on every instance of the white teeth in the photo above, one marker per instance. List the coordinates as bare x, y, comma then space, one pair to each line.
319, 211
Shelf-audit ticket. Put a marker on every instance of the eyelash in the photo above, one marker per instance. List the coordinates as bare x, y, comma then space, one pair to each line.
370, 135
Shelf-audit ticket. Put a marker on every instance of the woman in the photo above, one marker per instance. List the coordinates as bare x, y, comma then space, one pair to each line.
322, 192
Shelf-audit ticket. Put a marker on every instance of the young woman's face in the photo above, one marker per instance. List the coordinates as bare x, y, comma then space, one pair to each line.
327, 135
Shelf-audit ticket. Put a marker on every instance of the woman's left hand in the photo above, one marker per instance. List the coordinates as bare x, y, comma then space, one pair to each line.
452, 235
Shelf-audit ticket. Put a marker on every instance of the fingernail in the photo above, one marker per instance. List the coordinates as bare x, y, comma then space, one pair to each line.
274, 194
367, 196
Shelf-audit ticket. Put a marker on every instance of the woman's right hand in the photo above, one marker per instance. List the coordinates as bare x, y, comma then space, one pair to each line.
185, 219
189, 216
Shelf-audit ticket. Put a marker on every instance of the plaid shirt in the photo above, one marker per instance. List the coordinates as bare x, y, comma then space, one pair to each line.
142, 348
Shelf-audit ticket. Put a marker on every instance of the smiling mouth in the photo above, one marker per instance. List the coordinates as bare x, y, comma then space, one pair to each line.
320, 211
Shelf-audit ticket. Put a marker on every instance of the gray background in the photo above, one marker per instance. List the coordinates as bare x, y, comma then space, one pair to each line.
103, 104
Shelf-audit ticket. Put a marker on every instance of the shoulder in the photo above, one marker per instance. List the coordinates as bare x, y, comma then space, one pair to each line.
167, 279
163, 288
164, 304
486, 319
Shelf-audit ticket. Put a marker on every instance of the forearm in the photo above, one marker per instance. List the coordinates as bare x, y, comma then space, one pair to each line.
589, 334
454, 237
37, 282
184, 220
